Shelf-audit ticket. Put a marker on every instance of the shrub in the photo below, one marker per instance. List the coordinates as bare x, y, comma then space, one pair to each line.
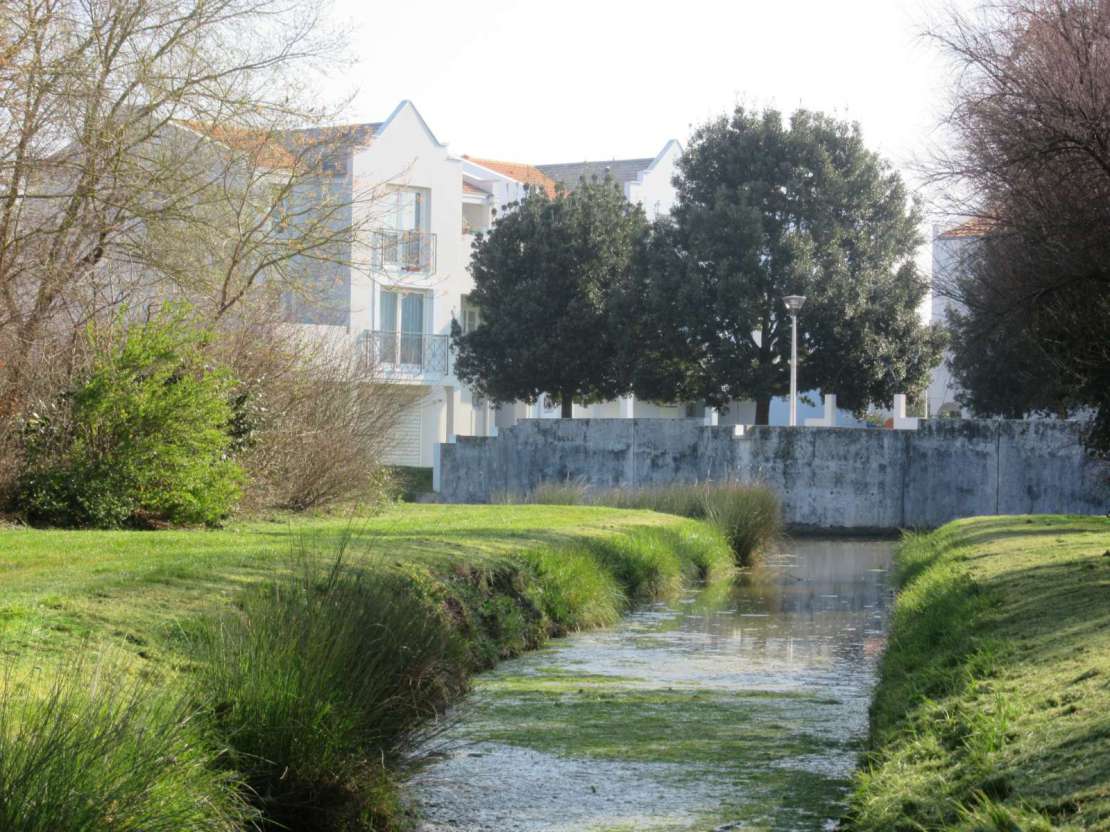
95, 755
318, 681
141, 437
313, 417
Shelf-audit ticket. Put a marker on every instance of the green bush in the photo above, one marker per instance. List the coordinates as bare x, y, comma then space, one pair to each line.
320, 681
94, 755
141, 438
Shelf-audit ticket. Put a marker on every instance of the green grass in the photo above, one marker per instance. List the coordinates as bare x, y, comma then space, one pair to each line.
91, 755
309, 681
993, 707
749, 516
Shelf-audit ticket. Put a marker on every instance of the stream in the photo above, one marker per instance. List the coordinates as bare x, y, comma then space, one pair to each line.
742, 706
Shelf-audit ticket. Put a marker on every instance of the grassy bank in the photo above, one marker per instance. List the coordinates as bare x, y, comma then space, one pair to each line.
993, 707
749, 516
294, 685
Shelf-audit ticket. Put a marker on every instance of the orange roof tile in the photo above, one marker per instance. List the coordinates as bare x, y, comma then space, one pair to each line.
473, 189
974, 227
528, 174
265, 149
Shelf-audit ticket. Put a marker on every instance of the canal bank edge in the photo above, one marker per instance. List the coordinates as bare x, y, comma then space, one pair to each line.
512, 577
993, 705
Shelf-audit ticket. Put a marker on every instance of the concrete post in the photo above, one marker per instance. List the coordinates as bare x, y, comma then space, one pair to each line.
628, 406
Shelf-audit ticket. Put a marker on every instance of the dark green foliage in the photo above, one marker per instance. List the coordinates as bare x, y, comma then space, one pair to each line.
141, 438
98, 753
545, 279
766, 210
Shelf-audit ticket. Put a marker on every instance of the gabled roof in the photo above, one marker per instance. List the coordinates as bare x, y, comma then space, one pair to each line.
528, 174
621, 170
468, 188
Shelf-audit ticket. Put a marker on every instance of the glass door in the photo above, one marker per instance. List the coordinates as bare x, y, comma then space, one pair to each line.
412, 329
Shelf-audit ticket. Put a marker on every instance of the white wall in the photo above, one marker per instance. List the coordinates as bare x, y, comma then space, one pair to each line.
948, 255
654, 190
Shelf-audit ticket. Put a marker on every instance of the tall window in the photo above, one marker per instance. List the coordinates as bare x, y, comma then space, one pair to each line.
403, 240
402, 317
470, 316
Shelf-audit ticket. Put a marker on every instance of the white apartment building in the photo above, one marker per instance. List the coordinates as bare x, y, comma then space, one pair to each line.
951, 248
399, 307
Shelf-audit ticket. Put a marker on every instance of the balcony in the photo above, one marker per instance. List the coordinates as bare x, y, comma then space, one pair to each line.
406, 353
406, 251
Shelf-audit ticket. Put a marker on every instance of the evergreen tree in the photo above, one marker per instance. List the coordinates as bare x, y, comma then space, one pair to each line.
766, 210
545, 281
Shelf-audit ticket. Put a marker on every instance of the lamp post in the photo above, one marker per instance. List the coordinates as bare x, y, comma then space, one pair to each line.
794, 306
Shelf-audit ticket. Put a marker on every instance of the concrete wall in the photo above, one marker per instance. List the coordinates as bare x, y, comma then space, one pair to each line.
832, 479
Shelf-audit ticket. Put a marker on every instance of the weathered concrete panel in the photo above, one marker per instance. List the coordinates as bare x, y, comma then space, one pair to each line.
953, 471
828, 478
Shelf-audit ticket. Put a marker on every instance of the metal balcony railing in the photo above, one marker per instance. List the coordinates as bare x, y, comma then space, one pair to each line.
408, 251
410, 353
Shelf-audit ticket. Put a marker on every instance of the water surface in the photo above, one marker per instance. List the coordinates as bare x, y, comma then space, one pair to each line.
738, 707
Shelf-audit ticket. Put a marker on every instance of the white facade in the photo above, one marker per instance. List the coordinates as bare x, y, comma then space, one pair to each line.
950, 248
653, 188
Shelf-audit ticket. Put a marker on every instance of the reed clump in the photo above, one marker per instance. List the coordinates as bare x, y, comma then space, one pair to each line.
98, 752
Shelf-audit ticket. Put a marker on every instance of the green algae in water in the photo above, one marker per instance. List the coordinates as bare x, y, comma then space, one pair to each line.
745, 708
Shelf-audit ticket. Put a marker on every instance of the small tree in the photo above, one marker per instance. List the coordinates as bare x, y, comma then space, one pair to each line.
545, 280
142, 437
766, 210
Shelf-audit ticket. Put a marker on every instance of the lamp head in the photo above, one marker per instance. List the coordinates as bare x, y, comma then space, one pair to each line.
794, 303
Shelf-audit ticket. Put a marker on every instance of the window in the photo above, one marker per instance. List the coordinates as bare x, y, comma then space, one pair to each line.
336, 165
402, 327
404, 240
471, 317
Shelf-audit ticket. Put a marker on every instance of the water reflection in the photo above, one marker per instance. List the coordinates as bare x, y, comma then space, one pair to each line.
737, 704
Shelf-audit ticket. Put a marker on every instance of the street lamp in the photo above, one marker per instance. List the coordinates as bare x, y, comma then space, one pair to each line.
794, 306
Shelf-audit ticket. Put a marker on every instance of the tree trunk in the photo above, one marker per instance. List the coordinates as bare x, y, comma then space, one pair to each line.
762, 411
568, 406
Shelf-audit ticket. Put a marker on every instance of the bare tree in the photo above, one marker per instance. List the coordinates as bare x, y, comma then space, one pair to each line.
156, 147
1031, 128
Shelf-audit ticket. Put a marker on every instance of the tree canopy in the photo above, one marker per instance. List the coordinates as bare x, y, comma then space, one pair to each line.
767, 209
546, 279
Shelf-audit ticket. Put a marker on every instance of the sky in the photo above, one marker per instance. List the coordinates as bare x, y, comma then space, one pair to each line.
546, 82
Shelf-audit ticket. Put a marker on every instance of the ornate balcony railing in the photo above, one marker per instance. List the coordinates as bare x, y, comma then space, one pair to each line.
407, 251
407, 353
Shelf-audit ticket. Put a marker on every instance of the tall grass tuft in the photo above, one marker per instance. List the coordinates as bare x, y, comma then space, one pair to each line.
576, 593
644, 562
321, 680
101, 754
749, 516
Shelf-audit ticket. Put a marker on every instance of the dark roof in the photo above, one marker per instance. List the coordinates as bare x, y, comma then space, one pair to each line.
622, 170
